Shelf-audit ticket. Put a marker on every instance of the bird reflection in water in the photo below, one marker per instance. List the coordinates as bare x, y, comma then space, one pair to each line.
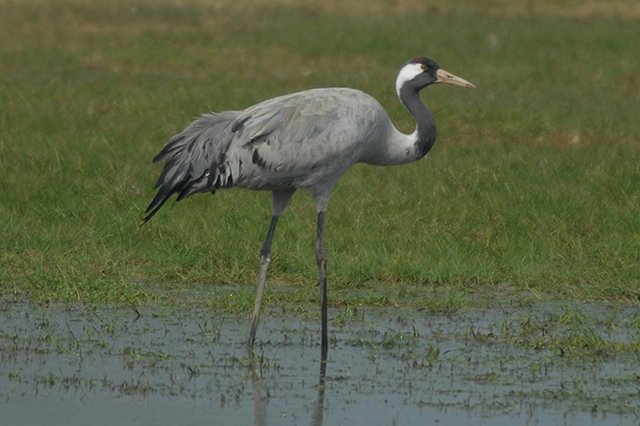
261, 397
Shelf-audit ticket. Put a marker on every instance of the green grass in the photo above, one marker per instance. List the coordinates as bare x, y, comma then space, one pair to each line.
533, 185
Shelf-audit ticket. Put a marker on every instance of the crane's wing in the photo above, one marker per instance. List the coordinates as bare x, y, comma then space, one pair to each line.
294, 135
190, 155
287, 142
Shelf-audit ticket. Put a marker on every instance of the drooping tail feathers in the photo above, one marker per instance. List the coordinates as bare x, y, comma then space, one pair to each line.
194, 160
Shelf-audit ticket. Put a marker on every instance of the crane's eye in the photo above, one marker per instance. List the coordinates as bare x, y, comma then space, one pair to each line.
424, 67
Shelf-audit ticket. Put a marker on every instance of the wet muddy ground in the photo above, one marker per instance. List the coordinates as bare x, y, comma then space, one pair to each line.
548, 363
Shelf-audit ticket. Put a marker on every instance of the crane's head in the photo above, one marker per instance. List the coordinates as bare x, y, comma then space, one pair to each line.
419, 73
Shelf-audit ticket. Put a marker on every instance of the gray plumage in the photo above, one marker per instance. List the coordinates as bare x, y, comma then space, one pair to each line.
301, 140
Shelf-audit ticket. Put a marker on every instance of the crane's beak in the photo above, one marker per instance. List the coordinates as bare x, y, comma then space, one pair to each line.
448, 78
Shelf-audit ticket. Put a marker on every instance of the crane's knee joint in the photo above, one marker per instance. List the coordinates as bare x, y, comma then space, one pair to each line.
321, 257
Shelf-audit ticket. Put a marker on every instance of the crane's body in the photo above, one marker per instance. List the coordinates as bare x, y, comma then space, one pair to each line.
303, 140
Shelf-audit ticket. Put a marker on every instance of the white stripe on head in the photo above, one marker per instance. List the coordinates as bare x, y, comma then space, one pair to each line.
407, 73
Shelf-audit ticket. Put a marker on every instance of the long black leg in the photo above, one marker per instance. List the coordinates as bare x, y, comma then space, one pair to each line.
265, 260
321, 260
279, 201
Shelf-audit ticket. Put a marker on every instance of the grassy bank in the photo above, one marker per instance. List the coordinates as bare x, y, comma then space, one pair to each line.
533, 185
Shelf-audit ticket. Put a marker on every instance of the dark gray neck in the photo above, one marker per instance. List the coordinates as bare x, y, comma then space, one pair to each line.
426, 126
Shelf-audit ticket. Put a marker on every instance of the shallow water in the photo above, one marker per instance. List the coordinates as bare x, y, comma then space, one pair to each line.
71, 365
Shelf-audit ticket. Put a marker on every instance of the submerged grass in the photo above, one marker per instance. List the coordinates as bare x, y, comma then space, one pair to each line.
533, 185
467, 362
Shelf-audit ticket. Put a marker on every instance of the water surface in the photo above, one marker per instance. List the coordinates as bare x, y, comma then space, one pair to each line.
543, 364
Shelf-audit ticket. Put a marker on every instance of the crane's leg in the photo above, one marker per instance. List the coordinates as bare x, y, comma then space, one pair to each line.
280, 199
265, 261
321, 260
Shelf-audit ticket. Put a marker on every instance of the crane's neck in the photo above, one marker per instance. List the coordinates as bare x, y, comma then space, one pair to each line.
425, 135
388, 146
394, 147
